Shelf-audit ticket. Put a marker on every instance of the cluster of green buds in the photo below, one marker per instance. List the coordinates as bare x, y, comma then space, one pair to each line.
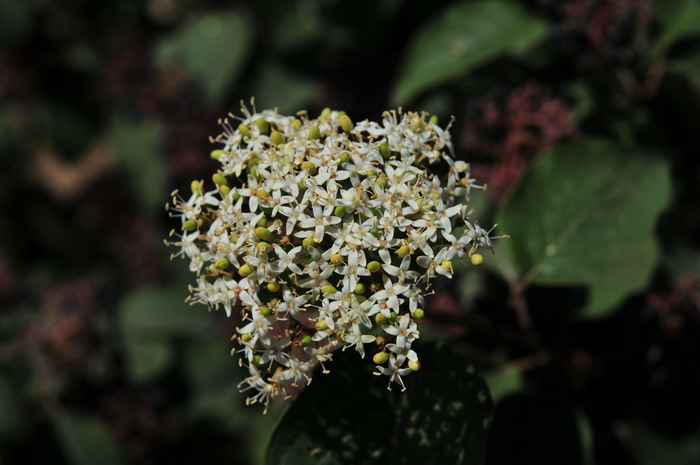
326, 233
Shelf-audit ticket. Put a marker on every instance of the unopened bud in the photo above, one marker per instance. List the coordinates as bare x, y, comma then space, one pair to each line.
310, 167
336, 258
305, 341
446, 264
322, 325
222, 263
197, 187
189, 225
360, 288
243, 129
263, 247
403, 251
263, 234
418, 313
384, 150
262, 125
329, 289
276, 138
219, 179
265, 311
246, 337
344, 157
314, 133
346, 123
380, 357
381, 319
477, 259
216, 154
308, 242
224, 190
274, 286
374, 266
434, 120
246, 270
339, 211
415, 366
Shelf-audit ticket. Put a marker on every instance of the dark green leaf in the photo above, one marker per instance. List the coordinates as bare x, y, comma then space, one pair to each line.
585, 215
211, 47
462, 37
348, 416
147, 359
678, 18
277, 87
84, 441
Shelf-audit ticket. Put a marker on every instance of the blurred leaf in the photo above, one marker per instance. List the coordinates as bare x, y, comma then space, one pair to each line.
651, 448
210, 367
585, 214
147, 359
212, 47
349, 416
136, 148
504, 382
16, 18
678, 18
84, 441
277, 87
531, 431
462, 37
11, 415
301, 25
161, 312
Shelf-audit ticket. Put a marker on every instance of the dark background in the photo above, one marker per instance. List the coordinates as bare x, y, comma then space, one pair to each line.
107, 106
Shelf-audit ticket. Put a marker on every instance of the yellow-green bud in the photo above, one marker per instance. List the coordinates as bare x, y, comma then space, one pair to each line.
243, 129
477, 259
305, 341
418, 313
310, 167
219, 179
296, 124
322, 325
384, 150
276, 138
262, 125
246, 270
339, 211
434, 120
325, 114
197, 187
236, 196
382, 180
328, 289
415, 366
189, 225
380, 357
394, 315
336, 258
224, 190
222, 263
265, 311
257, 359
381, 319
263, 234
246, 337
344, 157
375, 232
346, 123
374, 266
314, 133
359, 288
264, 222
403, 251
446, 264
216, 154
274, 286
263, 247
263, 194
371, 173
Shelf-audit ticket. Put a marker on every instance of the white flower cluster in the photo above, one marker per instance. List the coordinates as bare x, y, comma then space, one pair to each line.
327, 234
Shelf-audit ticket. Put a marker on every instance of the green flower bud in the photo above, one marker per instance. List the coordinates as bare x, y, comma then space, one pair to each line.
274, 286
434, 120
197, 187
276, 138
346, 123
339, 211
262, 125
310, 167
314, 133
219, 179
322, 325
446, 264
403, 251
477, 259
380, 319
380, 358
415, 366
265, 311
374, 266
375, 232
263, 194
243, 129
344, 157
264, 222
257, 359
325, 114
216, 154
263, 234
305, 341
189, 225
246, 337
336, 258
385, 150
371, 173
329, 289
236, 196
222, 263
263, 247
394, 315
246, 270
359, 288
382, 180
224, 190
296, 124
418, 313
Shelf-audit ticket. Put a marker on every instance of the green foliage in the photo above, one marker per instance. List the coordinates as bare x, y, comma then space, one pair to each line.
650, 447
350, 416
585, 214
212, 47
679, 19
464, 36
84, 441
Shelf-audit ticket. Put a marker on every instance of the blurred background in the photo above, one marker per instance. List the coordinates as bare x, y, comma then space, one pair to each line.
107, 106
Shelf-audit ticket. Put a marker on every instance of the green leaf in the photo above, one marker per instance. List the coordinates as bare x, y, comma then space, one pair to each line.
348, 416
147, 359
84, 441
462, 37
212, 47
649, 447
585, 215
136, 149
678, 18
277, 87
